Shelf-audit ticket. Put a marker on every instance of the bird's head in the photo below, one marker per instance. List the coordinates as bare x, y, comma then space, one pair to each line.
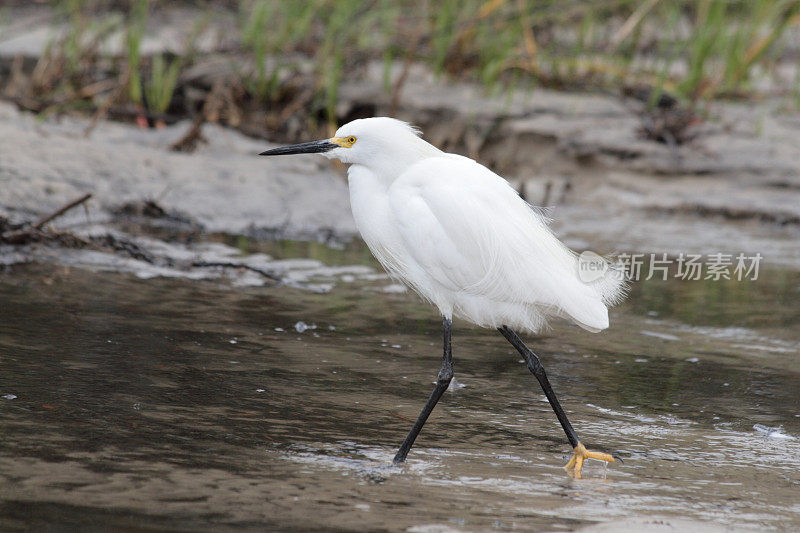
372, 142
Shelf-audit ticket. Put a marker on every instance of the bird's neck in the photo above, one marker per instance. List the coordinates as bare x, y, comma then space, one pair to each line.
395, 160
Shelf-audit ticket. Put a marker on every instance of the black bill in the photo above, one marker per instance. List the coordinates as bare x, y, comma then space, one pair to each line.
314, 147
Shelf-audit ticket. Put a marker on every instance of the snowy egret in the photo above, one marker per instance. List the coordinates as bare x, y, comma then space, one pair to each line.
463, 239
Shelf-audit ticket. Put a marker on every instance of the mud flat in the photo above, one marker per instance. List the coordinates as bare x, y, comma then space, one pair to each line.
731, 189
733, 185
223, 186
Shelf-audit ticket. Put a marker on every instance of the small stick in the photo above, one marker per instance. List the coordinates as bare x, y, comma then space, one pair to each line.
630, 24
193, 135
223, 264
398, 415
93, 89
61, 211
28, 233
102, 111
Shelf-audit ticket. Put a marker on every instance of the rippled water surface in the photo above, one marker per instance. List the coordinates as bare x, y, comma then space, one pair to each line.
135, 404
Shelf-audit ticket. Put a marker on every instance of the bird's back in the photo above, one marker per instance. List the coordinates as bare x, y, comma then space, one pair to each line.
477, 250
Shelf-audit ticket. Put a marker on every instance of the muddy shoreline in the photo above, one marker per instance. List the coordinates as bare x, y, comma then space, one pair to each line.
578, 155
732, 184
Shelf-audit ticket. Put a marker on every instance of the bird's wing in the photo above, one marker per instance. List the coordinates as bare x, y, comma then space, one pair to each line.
469, 230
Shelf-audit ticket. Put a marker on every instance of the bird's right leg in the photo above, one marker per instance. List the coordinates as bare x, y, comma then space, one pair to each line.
535, 366
442, 382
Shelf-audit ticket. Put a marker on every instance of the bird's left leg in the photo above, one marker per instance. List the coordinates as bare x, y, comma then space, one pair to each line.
535, 366
442, 382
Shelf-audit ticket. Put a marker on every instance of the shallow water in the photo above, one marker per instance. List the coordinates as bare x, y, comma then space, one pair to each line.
142, 404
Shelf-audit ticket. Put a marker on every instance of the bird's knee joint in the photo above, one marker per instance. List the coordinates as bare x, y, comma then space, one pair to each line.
535, 367
444, 377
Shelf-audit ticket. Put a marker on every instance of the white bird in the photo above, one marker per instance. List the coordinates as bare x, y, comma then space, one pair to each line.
463, 239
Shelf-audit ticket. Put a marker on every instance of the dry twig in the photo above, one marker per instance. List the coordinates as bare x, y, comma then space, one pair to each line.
27, 234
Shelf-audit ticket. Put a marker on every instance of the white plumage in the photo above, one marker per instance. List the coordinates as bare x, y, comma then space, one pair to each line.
461, 236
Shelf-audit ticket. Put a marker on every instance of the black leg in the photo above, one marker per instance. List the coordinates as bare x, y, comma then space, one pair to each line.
537, 370
442, 382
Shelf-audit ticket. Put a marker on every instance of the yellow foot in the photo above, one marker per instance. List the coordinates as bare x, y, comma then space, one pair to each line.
581, 454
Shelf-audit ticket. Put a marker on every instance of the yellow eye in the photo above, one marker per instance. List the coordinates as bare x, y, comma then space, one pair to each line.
344, 142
